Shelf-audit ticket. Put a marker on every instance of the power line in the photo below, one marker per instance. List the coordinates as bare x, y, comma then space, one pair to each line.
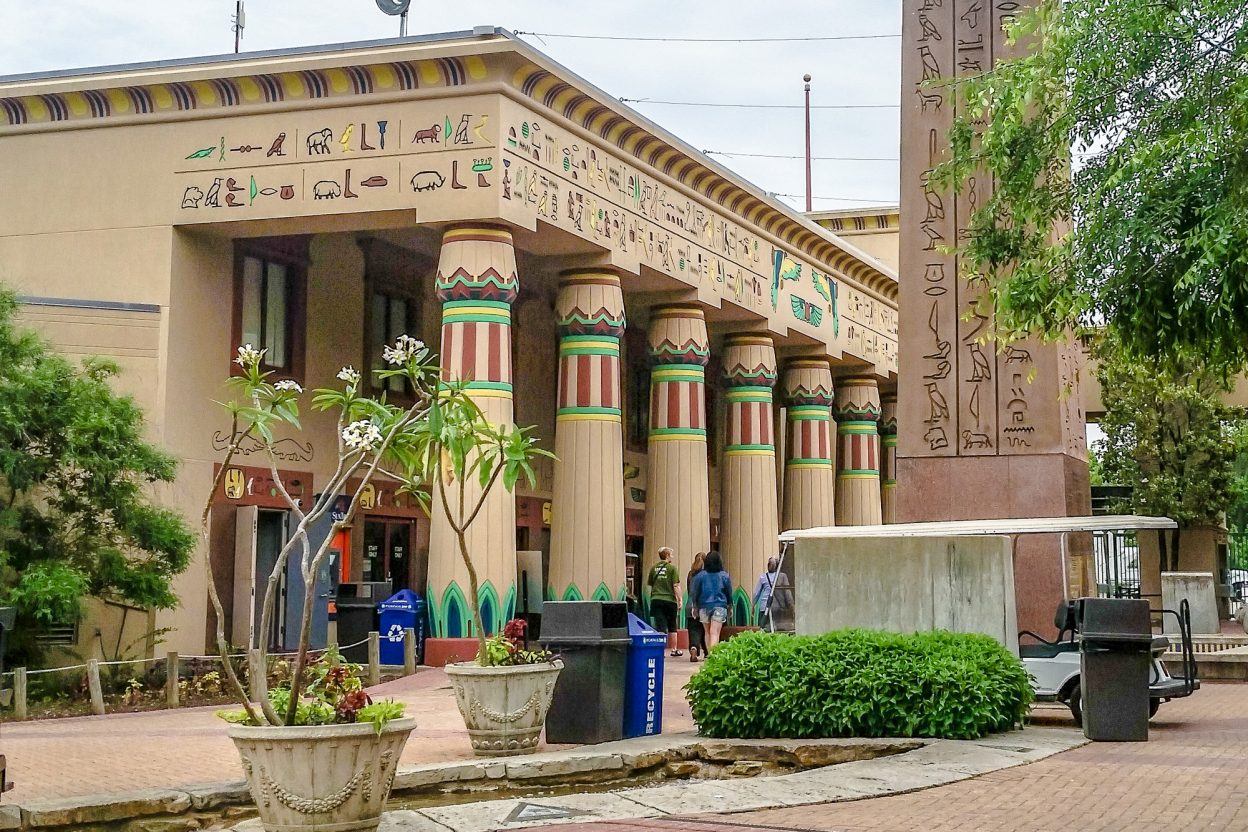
798, 156
705, 40
762, 106
840, 199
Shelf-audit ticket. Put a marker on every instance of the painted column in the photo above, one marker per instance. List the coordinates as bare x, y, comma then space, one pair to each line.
476, 284
808, 473
748, 518
677, 493
587, 520
857, 412
888, 458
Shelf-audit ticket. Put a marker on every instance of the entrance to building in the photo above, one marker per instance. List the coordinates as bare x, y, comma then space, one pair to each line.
259, 535
387, 552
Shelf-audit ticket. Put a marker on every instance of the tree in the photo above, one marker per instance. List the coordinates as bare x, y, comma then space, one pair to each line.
1171, 439
76, 511
1151, 98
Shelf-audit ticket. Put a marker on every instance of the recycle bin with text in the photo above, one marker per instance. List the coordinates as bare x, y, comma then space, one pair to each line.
643, 679
402, 610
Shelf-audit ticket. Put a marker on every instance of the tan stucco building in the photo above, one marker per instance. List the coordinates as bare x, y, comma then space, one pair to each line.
681, 341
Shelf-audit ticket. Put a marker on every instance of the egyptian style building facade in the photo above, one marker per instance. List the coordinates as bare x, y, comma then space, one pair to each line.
709, 366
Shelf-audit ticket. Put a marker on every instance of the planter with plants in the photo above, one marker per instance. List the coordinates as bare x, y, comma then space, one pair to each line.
317, 752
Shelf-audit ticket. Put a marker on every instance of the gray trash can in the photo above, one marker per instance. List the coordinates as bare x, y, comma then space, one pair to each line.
1115, 640
592, 638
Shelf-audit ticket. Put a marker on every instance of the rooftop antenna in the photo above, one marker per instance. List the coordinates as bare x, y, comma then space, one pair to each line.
239, 21
399, 7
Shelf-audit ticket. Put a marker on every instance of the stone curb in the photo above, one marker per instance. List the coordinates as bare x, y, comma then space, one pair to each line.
852, 768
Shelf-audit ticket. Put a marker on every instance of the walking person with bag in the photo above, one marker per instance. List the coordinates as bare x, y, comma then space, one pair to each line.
697, 635
771, 594
712, 590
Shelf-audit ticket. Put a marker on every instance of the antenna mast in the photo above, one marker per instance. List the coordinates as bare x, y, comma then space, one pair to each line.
239, 21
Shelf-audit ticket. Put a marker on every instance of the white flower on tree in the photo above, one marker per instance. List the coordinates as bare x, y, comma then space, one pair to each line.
287, 385
350, 375
361, 436
403, 351
249, 356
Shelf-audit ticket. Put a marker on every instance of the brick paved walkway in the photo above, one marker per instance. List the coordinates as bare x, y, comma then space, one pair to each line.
1189, 777
125, 752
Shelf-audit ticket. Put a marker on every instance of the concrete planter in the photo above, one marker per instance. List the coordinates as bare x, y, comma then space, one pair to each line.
321, 778
504, 707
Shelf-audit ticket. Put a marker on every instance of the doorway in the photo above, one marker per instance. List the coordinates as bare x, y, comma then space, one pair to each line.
260, 535
387, 552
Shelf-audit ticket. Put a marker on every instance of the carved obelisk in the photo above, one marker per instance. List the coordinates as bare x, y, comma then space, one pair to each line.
982, 433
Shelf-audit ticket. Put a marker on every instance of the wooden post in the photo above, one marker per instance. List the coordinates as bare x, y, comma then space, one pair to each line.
256, 673
409, 651
93, 684
374, 659
171, 680
19, 693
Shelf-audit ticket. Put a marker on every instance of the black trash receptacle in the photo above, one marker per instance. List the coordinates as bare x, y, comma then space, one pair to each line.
357, 617
592, 639
1115, 641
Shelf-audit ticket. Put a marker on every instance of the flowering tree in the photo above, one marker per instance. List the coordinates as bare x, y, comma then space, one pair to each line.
407, 444
76, 516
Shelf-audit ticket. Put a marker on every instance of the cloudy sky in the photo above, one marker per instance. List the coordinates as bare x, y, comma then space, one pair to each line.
37, 36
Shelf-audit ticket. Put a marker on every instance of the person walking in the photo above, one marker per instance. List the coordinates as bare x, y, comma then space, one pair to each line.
697, 635
712, 591
664, 584
770, 593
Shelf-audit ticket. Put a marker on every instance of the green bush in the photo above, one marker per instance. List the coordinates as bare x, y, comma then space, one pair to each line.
859, 683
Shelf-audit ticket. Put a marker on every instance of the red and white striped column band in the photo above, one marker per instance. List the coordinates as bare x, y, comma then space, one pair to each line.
749, 375
476, 309
809, 395
591, 324
680, 351
888, 456
857, 412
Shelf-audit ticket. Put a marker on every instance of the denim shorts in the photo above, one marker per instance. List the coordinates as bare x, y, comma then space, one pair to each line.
719, 614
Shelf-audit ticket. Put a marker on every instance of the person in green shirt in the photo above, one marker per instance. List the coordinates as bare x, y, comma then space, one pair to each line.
664, 584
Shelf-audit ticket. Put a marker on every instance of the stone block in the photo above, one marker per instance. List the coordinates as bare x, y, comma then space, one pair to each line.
562, 764
746, 768
1198, 589
179, 824
10, 817
215, 795
105, 808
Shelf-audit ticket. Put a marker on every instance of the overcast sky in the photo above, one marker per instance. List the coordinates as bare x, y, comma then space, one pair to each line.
36, 35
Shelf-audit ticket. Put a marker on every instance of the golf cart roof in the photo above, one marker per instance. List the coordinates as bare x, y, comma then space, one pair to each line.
1011, 526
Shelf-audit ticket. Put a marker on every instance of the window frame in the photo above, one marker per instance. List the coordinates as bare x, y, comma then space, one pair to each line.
377, 282
291, 254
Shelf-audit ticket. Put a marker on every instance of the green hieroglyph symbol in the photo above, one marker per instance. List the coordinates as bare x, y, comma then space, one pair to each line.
446, 130
252, 191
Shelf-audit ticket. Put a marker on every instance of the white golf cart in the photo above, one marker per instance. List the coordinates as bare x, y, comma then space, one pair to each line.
1054, 665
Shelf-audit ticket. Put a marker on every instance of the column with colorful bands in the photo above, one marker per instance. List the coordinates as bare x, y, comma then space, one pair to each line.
888, 458
749, 524
587, 513
476, 283
857, 411
809, 477
677, 494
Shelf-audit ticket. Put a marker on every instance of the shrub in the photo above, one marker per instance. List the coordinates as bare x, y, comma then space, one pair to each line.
859, 683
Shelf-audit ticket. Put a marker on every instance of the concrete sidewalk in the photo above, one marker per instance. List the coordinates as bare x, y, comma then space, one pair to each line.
185, 747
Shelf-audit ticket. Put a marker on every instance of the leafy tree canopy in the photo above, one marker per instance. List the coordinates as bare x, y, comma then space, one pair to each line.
1127, 124
76, 517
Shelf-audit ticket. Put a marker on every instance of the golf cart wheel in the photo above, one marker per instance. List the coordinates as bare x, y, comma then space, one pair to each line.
1076, 705
1153, 705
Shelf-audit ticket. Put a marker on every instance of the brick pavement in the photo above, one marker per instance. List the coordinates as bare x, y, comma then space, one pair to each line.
1189, 776
126, 752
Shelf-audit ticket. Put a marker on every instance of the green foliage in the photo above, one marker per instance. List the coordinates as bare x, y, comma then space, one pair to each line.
506, 649
859, 683
76, 477
1152, 101
1171, 439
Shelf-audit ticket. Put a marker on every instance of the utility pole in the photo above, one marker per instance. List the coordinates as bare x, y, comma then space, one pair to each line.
239, 23
806, 78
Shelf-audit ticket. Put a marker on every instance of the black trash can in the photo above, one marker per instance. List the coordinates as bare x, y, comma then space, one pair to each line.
592, 638
1115, 641
357, 617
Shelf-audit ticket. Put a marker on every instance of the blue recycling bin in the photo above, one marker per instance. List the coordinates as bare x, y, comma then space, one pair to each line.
397, 613
643, 679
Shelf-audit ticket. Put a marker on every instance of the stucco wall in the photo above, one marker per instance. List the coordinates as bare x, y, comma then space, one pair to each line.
963, 584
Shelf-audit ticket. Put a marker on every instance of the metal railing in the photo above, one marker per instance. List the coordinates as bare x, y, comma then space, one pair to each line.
1117, 556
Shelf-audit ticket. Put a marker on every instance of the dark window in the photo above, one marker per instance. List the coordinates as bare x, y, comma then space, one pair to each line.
389, 316
269, 303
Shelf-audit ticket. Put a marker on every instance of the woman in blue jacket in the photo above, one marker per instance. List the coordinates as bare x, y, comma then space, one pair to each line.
712, 590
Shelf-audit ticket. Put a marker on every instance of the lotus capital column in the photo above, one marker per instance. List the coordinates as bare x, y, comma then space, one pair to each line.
749, 524
809, 478
857, 411
587, 520
677, 494
476, 284
888, 457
